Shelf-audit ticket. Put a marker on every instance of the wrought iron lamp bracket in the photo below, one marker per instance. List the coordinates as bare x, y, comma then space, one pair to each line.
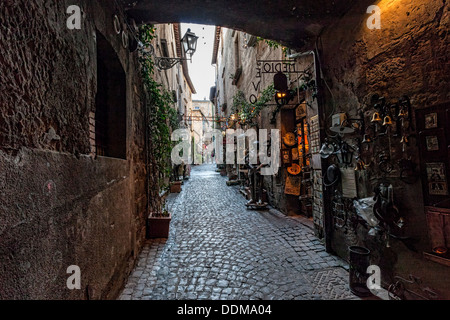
165, 63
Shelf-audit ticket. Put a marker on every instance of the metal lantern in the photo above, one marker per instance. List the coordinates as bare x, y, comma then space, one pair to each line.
345, 154
189, 42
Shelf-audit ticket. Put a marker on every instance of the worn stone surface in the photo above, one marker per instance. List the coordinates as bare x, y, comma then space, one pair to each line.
59, 205
217, 249
48, 89
293, 23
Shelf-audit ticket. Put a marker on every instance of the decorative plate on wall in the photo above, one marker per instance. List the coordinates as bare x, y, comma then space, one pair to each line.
294, 169
289, 139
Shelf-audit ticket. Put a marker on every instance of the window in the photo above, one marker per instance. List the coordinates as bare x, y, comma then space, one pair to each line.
110, 101
237, 61
164, 48
236, 52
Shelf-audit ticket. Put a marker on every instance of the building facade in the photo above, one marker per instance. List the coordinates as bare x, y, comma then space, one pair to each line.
202, 119
245, 68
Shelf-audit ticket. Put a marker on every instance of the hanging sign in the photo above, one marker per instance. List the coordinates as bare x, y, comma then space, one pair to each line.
274, 66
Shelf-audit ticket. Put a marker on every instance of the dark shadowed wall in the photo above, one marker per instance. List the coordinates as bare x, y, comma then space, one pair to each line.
60, 205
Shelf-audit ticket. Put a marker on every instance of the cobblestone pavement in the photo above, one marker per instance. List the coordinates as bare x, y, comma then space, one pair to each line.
219, 250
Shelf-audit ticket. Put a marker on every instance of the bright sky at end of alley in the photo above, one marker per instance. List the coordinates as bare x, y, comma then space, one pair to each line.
201, 71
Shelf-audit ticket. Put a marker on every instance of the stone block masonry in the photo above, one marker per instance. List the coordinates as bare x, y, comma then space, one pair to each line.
61, 204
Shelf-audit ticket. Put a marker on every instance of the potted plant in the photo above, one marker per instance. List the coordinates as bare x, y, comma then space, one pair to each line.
158, 223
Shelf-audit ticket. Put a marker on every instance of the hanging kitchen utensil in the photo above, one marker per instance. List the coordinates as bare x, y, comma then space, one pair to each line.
376, 119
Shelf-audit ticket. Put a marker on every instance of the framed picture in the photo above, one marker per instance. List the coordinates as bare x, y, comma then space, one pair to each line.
432, 143
436, 176
431, 120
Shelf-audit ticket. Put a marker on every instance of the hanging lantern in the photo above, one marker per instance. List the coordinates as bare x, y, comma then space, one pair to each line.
280, 83
387, 121
189, 42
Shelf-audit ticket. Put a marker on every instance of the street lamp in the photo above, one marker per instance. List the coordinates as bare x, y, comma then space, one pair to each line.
189, 42
189, 45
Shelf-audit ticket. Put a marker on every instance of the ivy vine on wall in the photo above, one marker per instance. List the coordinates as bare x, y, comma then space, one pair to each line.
274, 45
162, 118
247, 111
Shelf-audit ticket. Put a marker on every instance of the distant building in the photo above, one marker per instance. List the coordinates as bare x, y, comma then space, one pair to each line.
202, 117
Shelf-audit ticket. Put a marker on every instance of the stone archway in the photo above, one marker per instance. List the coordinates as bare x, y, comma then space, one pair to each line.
293, 23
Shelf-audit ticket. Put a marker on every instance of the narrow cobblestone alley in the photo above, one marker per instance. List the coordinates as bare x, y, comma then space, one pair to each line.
218, 250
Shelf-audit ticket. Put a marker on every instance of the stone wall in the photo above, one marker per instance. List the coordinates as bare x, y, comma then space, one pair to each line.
407, 56
60, 205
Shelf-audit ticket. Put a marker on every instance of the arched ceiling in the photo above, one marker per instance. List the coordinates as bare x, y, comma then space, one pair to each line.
294, 23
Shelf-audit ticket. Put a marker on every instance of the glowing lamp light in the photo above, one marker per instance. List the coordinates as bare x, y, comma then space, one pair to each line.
280, 84
440, 250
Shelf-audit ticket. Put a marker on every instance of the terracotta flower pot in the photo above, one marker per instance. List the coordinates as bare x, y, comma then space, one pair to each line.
158, 227
175, 187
